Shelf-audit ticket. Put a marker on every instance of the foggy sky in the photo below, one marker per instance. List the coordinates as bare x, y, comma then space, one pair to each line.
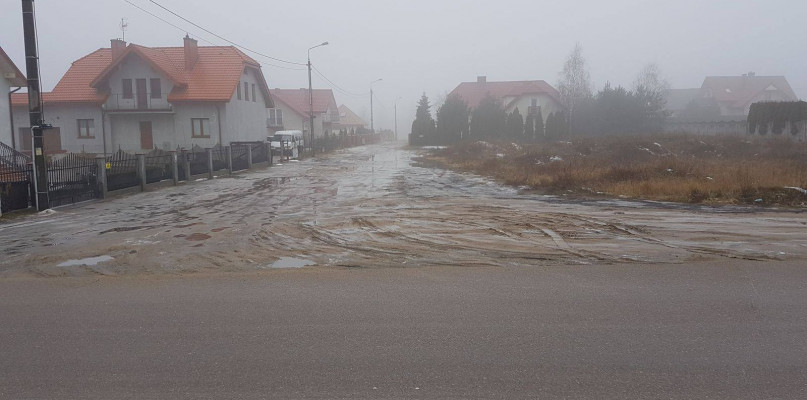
419, 46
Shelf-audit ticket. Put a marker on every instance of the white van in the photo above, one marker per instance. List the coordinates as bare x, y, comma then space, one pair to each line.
286, 143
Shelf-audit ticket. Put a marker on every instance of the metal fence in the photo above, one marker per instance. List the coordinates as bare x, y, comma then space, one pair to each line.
122, 171
239, 153
15, 179
72, 178
159, 166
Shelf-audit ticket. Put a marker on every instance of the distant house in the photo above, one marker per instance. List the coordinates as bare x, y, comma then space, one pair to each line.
735, 94
138, 98
292, 107
348, 120
10, 77
721, 104
527, 96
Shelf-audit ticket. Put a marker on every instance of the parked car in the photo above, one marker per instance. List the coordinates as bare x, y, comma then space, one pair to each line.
286, 143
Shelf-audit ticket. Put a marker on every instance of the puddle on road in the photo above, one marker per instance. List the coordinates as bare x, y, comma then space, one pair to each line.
90, 261
290, 262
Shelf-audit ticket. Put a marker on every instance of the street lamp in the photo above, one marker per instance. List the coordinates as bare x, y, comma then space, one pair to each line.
311, 97
396, 118
372, 127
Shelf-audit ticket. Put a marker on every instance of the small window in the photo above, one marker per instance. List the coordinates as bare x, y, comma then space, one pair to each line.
238, 89
200, 127
253, 93
275, 117
156, 88
86, 128
128, 93
246, 91
534, 102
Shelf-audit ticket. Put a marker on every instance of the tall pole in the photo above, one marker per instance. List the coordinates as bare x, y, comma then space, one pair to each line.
310, 104
35, 105
372, 128
396, 118
311, 97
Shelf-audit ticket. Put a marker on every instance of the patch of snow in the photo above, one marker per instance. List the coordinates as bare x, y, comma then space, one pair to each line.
555, 158
49, 211
499, 155
670, 170
201, 179
709, 178
516, 146
801, 190
90, 261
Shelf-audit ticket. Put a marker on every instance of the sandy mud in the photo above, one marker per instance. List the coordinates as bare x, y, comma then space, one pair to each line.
374, 207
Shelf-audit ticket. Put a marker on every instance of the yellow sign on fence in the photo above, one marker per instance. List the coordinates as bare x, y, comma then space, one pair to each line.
109, 165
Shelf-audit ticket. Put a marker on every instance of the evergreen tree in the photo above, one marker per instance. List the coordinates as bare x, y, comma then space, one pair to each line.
488, 120
529, 127
423, 126
539, 124
452, 120
515, 125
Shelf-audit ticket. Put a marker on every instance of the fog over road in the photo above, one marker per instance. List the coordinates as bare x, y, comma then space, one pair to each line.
374, 206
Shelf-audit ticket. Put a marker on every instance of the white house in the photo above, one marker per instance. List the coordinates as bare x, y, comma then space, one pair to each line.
527, 96
136, 98
292, 107
10, 77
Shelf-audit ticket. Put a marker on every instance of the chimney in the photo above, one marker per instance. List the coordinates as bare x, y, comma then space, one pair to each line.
191, 53
481, 79
118, 47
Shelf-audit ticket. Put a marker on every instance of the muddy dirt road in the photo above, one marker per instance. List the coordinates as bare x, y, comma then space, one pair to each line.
375, 207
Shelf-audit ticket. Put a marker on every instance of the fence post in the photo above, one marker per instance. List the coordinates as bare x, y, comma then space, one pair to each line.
174, 167
141, 170
209, 162
100, 163
268, 147
228, 154
249, 156
187, 165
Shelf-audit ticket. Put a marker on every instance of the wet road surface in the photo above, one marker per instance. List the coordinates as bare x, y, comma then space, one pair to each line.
726, 330
374, 206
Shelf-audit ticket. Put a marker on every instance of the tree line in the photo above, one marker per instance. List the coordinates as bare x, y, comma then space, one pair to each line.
612, 110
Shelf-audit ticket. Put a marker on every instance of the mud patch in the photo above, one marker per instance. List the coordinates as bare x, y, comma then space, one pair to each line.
197, 237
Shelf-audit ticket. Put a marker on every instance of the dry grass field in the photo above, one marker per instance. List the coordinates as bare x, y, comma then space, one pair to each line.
678, 168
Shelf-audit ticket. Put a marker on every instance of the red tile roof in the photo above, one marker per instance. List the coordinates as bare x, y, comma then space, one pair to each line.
7, 67
474, 92
297, 100
213, 78
740, 90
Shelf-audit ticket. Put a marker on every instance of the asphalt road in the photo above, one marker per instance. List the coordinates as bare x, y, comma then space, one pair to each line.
729, 329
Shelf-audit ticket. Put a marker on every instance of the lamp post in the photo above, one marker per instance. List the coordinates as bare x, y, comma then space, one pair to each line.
311, 97
396, 118
372, 127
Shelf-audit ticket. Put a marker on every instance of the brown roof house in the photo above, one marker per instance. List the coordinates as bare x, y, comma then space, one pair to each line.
138, 98
348, 120
292, 108
527, 96
10, 77
735, 94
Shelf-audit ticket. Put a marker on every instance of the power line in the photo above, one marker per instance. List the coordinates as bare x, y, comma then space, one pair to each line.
198, 36
224, 39
337, 87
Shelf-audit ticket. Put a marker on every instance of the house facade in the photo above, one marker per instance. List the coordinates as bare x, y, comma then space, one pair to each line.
136, 98
526, 96
291, 111
348, 121
10, 77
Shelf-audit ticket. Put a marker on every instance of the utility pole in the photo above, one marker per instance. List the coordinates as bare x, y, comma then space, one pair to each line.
311, 97
396, 118
35, 105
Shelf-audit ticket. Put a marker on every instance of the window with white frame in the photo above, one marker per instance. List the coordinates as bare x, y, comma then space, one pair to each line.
86, 128
275, 117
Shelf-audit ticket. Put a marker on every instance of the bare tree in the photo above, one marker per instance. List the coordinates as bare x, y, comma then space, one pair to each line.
574, 84
651, 79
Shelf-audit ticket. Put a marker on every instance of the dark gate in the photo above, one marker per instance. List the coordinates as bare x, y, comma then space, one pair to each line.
15, 179
72, 178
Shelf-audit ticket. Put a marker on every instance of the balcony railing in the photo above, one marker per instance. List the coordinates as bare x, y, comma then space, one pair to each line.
135, 102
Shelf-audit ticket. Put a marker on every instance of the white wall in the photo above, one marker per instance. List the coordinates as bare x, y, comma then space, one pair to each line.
294, 121
5, 124
548, 105
245, 120
65, 117
133, 67
183, 129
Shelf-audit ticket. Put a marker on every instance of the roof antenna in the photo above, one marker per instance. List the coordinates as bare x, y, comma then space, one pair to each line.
123, 25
